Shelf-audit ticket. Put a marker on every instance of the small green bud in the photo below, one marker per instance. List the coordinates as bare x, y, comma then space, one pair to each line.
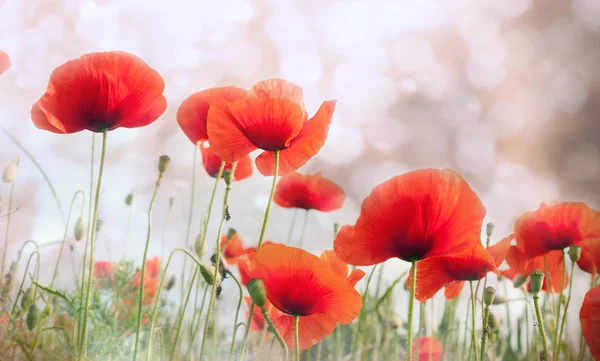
208, 272
199, 246
574, 253
171, 201
336, 228
230, 233
27, 298
536, 279
489, 228
488, 295
129, 199
47, 311
228, 176
492, 321
256, 288
80, 228
170, 283
33, 317
520, 280
163, 163
10, 172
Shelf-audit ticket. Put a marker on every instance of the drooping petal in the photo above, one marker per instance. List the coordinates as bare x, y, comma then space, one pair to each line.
589, 317
193, 111
590, 256
227, 140
232, 248
412, 216
431, 278
453, 289
100, 91
308, 191
500, 250
4, 62
212, 164
311, 329
303, 147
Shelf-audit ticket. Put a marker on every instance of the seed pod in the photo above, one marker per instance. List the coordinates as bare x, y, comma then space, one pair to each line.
489, 228
80, 228
33, 317
536, 280
228, 176
129, 199
163, 163
488, 295
256, 288
10, 172
574, 253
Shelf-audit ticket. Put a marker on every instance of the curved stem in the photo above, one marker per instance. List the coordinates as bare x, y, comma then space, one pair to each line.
276, 332
303, 229
411, 302
62, 243
564, 317
213, 292
143, 272
473, 337
296, 341
237, 313
182, 313
268, 209
83, 340
486, 314
24, 277
5, 248
560, 298
540, 322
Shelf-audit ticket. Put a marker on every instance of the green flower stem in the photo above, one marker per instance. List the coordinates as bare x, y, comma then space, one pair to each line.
82, 342
36, 253
237, 313
62, 243
473, 338
303, 229
199, 316
486, 314
540, 322
143, 272
128, 229
296, 339
213, 293
411, 303
564, 316
164, 232
5, 248
190, 215
464, 348
276, 333
361, 317
260, 241
560, 299
182, 313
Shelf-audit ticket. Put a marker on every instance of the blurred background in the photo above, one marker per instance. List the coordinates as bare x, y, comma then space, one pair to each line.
505, 92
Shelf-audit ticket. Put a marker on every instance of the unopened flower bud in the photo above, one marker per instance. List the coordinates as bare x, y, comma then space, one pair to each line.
256, 288
536, 279
27, 298
10, 172
492, 321
228, 176
396, 322
199, 246
488, 295
129, 199
47, 311
520, 280
499, 300
574, 253
171, 201
208, 272
33, 317
80, 228
170, 283
163, 163
489, 228
230, 233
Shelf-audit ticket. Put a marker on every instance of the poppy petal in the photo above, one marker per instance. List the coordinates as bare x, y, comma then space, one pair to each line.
500, 250
412, 216
308, 191
355, 277
454, 289
4, 62
335, 263
193, 111
311, 329
212, 164
303, 147
226, 138
278, 89
589, 316
589, 261
431, 277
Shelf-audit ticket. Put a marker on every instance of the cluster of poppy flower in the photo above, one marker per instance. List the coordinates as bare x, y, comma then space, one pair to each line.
430, 218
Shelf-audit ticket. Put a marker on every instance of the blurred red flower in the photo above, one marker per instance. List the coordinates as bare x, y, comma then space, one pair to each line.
212, 164
412, 216
430, 349
521, 264
4, 62
589, 316
301, 284
103, 271
309, 191
271, 118
232, 248
100, 91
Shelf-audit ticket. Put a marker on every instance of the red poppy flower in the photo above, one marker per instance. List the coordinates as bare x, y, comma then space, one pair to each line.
556, 227
244, 263
233, 248
212, 164
590, 256
341, 268
589, 316
308, 191
301, 284
193, 111
430, 349
4, 62
103, 270
469, 262
520, 263
412, 216
510, 273
153, 267
100, 91
271, 118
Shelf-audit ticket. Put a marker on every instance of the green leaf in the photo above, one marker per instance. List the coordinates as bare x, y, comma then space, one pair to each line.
55, 293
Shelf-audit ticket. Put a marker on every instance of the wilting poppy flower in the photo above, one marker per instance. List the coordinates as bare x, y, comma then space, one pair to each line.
298, 283
4, 62
212, 164
589, 316
100, 91
271, 118
520, 263
555, 227
232, 248
308, 191
412, 216
103, 270
341, 268
589, 261
430, 349
469, 262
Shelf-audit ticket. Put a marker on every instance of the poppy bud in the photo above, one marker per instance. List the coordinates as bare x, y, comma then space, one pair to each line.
499, 300
99, 224
208, 272
230, 233
33, 317
170, 283
10, 172
27, 298
536, 279
395, 323
520, 280
171, 201
489, 228
199, 246
47, 311
492, 321
256, 288
163, 163
574, 253
228, 176
129, 199
80, 228
336, 228
488, 295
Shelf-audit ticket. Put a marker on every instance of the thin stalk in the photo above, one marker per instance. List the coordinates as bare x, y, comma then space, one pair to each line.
213, 293
473, 338
164, 232
237, 313
36, 253
62, 243
182, 313
292, 223
296, 339
486, 314
10, 202
463, 352
143, 272
190, 214
338, 344
540, 321
560, 298
411, 303
199, 319
581, 339
303, 229
549, 288
83, 340
275, 332
421, 326
356, 334
564, 317
128, 229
